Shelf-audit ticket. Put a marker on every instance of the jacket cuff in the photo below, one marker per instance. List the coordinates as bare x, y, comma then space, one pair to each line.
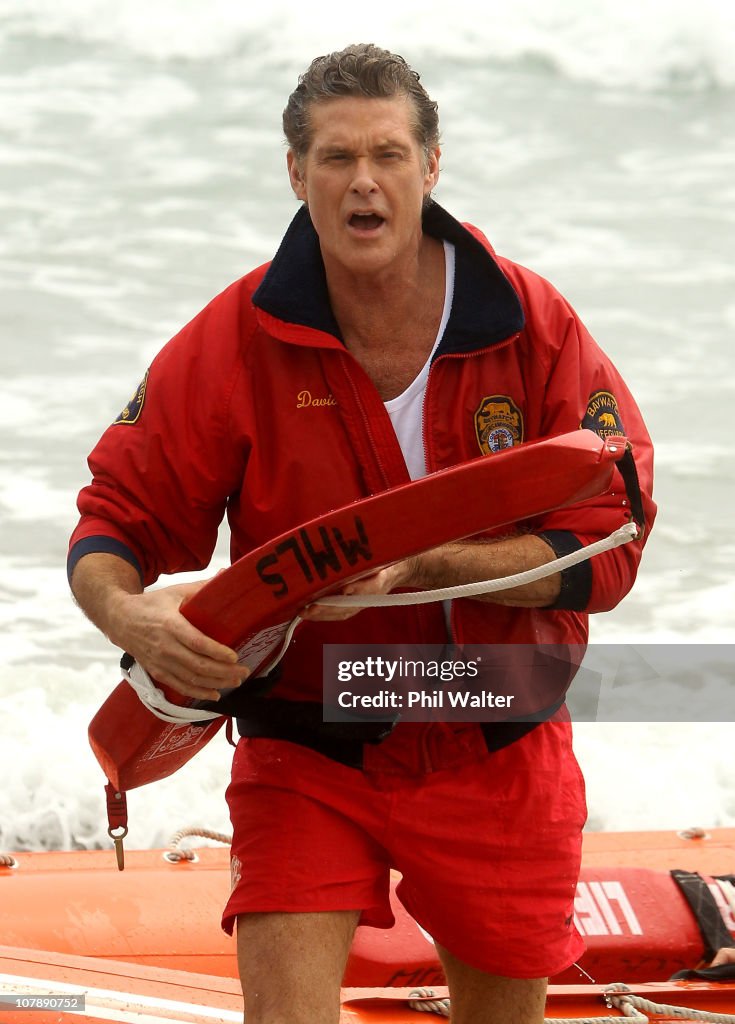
576, 582
106, 545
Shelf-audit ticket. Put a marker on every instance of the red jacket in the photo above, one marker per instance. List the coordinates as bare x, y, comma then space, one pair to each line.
256, 410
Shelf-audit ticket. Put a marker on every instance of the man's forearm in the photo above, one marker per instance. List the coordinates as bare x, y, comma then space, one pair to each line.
471, 561
150, 627
98, 582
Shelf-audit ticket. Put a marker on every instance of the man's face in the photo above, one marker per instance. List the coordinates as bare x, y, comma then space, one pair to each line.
364, 179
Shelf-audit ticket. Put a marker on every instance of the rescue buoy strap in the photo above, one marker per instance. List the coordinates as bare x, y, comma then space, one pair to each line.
629, 473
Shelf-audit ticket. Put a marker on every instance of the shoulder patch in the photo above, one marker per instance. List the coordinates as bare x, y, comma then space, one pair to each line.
498, 424
603, 415
131, 412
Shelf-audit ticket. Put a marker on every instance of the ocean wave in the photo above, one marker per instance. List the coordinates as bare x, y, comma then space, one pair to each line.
649, 44
54, 798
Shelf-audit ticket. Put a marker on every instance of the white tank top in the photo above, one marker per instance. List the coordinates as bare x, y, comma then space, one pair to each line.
407, 409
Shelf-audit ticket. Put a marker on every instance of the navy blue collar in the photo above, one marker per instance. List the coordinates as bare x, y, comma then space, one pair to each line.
485, 310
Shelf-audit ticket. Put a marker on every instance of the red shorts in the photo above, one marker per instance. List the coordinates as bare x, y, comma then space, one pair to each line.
488, 845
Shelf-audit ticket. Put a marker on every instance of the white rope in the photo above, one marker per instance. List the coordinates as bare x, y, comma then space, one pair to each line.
175, 850
425, 1001
195, 831
157, 702
631, 1005
159, 705
617, 996
623, 535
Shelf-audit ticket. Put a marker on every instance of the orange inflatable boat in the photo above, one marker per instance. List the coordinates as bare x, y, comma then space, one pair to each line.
64, 989
152, 932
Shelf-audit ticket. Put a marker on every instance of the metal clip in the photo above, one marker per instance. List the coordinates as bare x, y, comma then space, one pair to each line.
117, 819
118, 841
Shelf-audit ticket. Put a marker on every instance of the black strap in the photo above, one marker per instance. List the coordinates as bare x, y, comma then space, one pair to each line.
725, 972
502, 734
289, 715
701, 902
629, 474
301, 722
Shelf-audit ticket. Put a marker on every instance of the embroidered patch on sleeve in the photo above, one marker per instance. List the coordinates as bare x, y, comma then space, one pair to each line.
603, 415
131, 412
498, 424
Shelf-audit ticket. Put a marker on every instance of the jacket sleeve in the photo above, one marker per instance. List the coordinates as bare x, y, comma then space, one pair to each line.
162, 473
577, 386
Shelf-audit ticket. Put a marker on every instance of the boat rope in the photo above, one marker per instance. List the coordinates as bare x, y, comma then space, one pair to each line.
175, 853
630, 1004
617, 996
623, 535
424, 999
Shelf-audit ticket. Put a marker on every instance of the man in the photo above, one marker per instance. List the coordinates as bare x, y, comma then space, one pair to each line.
418, 349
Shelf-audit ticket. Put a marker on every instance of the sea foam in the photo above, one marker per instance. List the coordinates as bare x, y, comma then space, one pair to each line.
619, 43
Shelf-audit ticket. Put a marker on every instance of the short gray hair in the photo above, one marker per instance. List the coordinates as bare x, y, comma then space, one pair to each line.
361, 69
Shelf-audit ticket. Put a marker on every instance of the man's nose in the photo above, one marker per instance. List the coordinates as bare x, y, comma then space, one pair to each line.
363, 180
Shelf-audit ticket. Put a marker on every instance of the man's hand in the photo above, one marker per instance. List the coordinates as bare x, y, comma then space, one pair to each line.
150, 627
385, 581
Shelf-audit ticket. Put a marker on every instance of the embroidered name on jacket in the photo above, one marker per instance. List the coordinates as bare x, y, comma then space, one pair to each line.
131, 412
498, 424
603, 415
305, 399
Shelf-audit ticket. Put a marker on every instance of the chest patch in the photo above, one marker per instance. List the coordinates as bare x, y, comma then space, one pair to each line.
603, 415
131, 412
498, 424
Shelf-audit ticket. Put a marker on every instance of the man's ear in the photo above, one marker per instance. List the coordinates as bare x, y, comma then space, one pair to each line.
432, 171
295, 177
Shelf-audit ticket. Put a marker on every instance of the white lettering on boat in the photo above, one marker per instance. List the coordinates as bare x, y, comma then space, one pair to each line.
594, 913
727, 911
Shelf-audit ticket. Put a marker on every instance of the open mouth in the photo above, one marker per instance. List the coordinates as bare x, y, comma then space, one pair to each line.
366, 221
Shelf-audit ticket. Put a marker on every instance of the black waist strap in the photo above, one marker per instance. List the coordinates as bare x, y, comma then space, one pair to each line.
302, 722
502, 734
